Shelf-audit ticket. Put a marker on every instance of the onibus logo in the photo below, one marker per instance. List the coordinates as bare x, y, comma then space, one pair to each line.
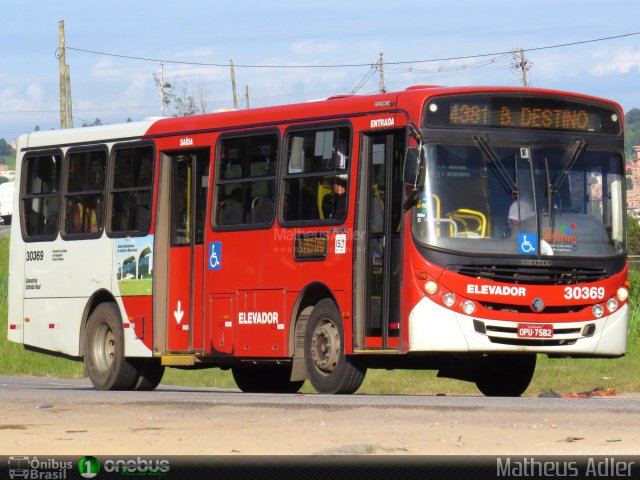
88, 467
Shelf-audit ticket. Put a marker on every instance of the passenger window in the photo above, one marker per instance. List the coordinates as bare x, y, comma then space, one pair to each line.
84, 196
246, 180
41, 198
131, 193
315, 184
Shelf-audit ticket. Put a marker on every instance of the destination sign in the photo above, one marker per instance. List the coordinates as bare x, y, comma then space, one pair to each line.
310, 246
542, 113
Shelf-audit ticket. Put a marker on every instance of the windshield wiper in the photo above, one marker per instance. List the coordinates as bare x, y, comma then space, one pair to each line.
580, 145
501, 170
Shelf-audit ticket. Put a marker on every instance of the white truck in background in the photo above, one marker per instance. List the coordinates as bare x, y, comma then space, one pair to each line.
6, 201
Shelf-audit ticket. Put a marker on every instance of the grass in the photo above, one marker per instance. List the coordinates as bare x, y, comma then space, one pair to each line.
559, 375
135, 287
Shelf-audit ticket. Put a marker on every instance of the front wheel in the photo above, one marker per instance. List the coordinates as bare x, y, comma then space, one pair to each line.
505, 375
105, 362
328, 368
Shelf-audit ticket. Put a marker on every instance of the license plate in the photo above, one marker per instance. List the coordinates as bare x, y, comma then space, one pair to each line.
534, 330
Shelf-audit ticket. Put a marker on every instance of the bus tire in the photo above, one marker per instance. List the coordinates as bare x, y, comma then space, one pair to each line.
150, 372
265, 379
505, 375
328, 368
105, 362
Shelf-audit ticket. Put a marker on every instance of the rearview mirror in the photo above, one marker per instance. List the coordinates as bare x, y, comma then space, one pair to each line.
411, 166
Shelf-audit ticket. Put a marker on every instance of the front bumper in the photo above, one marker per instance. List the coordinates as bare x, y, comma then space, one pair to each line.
434, 328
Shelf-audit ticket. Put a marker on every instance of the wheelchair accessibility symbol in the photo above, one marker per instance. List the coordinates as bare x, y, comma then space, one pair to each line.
215, 255
528, 243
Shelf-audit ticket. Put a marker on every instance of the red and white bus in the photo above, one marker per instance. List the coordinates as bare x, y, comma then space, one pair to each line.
459, 229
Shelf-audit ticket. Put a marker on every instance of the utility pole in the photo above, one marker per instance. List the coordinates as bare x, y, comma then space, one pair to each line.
523, 65
380, 66
246, 95
233, 86
66, 117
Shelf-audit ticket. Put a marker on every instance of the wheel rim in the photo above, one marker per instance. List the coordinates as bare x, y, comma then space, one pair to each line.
325, 347
104, 347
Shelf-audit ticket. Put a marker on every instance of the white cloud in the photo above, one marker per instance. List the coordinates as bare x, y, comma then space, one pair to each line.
622, 62
34, 93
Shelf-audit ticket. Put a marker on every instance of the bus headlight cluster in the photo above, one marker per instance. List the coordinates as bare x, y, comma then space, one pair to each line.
449, 299
622, 294
431, 287
612, 304
597, 310
468, 307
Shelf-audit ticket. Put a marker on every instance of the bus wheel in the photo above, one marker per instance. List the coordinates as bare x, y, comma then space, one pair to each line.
505, 375
150, 372
105, 362
265, 379
328, 368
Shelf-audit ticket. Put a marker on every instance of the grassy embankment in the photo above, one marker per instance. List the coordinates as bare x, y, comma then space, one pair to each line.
562, 376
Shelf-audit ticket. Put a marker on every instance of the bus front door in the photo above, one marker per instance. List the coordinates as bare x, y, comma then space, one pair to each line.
186, 178
382, 220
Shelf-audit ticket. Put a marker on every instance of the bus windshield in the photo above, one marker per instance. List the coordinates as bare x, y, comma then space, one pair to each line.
563, 199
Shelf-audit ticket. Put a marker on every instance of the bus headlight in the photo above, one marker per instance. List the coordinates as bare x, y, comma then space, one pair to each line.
612, 304
622, 294
597, 310
431, 287
468, 307
449, 299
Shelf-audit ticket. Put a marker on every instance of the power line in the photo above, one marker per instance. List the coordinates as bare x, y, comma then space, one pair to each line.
346, 65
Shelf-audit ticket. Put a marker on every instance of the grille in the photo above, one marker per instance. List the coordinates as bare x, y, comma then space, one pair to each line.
531, 274
551, 309
532, 342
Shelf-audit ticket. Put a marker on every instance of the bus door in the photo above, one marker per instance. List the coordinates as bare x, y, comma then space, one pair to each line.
186, 177
381, 258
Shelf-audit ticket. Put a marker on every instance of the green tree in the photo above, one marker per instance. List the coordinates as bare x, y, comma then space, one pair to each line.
5, 148
633, 236
184, 104
631, 132
633, 115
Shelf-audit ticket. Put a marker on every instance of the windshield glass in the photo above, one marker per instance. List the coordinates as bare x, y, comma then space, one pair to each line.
563, 200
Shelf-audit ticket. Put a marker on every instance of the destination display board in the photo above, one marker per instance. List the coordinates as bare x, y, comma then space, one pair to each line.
543, 113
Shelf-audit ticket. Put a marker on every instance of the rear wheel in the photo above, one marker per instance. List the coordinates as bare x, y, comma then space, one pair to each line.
105, 362
328, 368
265, 379
505, 375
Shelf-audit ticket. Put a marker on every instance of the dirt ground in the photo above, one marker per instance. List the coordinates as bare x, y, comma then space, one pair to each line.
178, 429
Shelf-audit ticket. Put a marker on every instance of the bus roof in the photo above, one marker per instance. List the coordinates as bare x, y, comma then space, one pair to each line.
71, 136
410, 100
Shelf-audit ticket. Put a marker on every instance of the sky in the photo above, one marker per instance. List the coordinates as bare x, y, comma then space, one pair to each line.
288, 51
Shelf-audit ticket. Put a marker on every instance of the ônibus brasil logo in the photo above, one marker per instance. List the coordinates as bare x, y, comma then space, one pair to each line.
88, 467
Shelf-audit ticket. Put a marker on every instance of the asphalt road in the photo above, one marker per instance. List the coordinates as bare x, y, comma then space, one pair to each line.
52, 416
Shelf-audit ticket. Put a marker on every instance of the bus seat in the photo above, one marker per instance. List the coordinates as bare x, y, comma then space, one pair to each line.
231, 212
261, 209
260, 169
232, 171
